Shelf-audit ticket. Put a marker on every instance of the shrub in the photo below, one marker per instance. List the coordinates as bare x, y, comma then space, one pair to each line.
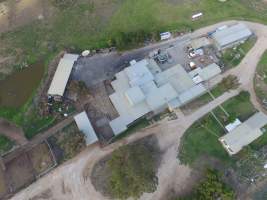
230, 82
133, 171
211, 188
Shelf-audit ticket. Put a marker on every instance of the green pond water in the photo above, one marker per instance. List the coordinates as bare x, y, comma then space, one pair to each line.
17, 88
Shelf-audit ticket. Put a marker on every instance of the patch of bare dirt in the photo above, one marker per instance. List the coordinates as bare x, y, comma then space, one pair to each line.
41, 158
15, 13
47, 194
11, 131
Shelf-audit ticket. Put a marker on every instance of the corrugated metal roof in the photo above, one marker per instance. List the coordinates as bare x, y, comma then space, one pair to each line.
210, 71
244, 134
177, 77
231, 34
207, 72
118, 125
138, 73
132, 102
135, 95
161, 96
86, 128
191, 93
62, 75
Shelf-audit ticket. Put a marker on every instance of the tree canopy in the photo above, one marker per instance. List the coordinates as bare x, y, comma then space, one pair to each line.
133, 171
211, 188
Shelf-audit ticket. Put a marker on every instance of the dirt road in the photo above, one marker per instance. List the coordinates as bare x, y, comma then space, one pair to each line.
67, 181
13, 132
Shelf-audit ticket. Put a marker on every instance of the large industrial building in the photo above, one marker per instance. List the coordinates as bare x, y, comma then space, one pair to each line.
244, 134
231, 36
142, 88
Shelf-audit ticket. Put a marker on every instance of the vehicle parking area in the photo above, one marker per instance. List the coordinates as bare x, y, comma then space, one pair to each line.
182, 53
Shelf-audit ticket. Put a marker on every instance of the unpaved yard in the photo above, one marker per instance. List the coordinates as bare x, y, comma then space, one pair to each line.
173, 177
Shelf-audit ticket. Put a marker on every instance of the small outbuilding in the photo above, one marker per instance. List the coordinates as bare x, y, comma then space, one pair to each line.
244, 134
86, 128
61, 76
231, 36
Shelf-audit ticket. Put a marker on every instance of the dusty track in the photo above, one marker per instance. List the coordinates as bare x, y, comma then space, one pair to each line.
67, 181
11, 131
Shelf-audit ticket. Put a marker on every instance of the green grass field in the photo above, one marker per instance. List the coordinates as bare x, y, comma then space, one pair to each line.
201, 139
94, 24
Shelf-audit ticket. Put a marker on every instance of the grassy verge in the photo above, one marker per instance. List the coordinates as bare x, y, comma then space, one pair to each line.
260, 80
227, 83
201, 139
233, 56
261, 141
5, 144
31, 123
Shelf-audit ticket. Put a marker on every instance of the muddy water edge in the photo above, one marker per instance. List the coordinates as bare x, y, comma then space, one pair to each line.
17, 88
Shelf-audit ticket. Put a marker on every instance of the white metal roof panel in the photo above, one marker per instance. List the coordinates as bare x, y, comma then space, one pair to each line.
233, 125
192, 93
231, 34
135, 95
86, 128
177, 77
175, 103
69, 56
240, 137
245, 133
61, 78
210, 71
138, 73
258, 120
160, 97
118, 125
62, 74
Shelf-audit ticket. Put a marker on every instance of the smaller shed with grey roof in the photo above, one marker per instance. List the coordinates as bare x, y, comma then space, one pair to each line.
86, 128
244, 134
231, 36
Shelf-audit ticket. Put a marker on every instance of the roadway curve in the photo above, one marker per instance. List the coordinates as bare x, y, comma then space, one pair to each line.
69, 180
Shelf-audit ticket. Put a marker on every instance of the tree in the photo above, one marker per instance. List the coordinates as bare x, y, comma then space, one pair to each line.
230, 82
211, 188
133, 171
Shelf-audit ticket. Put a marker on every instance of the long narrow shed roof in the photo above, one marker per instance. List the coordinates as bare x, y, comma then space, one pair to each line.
86, 127
244, 134
62, 75
231, 34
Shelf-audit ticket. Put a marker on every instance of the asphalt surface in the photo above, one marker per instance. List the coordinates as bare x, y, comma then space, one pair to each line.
100, 67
